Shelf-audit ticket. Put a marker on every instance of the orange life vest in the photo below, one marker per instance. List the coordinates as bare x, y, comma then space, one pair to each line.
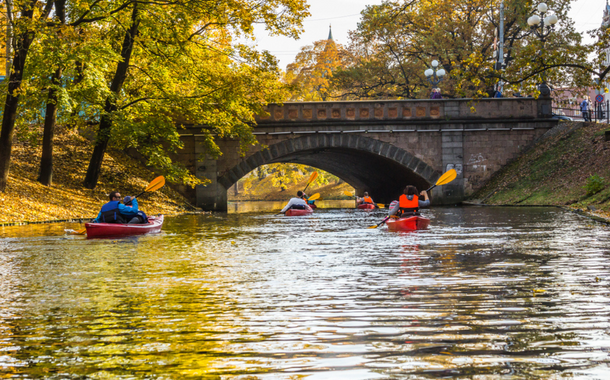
367, 200
409, 205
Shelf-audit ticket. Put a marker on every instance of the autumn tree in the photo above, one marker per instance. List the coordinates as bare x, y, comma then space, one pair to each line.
159, 65
27, 17
179, 64
396, 41
29, 20
311, 73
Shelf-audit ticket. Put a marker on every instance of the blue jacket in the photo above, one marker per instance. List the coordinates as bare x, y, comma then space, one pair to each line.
127, 212
584, 105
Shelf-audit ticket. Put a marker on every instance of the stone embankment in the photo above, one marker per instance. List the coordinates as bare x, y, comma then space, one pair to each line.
568, 167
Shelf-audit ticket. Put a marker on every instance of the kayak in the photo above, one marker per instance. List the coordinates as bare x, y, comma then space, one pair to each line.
366, 206
298, 212
119, 229
412, 223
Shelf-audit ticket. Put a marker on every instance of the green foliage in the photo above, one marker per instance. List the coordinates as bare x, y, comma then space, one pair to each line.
594, 185
396, 41
190, 65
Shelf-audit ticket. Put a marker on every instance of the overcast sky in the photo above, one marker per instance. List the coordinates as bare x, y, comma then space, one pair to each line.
345, 14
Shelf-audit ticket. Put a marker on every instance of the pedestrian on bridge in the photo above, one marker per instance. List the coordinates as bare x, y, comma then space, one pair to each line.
585, 108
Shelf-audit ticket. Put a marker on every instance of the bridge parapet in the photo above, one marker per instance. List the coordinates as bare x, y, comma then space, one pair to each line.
356, 112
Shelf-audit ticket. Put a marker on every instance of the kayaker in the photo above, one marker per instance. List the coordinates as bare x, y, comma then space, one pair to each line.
298, 202
116, 212
141, 217
366, 199
409, 203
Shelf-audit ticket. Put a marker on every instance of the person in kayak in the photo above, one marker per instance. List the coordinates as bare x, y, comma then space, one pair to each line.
116, 212
298, 202
409, 203
141, 217
366, 199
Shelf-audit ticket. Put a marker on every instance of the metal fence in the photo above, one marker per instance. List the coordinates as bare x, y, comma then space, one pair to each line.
597, 112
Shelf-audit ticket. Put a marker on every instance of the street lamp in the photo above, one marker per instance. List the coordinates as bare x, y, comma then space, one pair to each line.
538, 23
433, 75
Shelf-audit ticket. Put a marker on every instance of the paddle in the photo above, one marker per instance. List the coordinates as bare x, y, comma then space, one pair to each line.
380, 205
154, 185
314, 197
447, 177
312, 178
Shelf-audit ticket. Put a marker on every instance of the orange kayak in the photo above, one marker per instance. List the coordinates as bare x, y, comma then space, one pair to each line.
366, 206
412, 223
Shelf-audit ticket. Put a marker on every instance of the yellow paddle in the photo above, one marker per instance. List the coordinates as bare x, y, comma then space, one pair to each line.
312, 178
154, 185
314, 197
447, 177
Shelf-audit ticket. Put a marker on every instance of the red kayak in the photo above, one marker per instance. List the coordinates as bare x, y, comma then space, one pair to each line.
412, 223
298, 212
119, 229
366, 206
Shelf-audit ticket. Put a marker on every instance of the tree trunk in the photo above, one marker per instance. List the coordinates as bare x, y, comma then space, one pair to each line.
103, 133
23, 42
45, 176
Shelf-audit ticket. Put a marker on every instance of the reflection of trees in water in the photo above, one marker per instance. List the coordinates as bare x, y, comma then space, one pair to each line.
119, 309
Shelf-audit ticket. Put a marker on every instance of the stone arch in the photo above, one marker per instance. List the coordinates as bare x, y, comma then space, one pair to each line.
365, 163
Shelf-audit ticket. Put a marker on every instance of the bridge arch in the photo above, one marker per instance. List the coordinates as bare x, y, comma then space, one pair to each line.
367, 164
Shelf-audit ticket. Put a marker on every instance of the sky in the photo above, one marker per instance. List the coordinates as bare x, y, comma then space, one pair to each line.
344, 15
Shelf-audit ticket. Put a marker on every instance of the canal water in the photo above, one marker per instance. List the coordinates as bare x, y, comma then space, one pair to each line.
485, 293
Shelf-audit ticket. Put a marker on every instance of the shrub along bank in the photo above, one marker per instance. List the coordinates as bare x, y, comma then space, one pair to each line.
569, 166
26, 200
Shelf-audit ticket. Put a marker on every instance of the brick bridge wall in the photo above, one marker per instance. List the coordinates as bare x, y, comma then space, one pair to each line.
378, 146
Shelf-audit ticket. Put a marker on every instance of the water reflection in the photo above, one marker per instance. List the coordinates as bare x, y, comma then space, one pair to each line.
488, 292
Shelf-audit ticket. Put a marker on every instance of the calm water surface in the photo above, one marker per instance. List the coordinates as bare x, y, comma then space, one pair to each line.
485, 293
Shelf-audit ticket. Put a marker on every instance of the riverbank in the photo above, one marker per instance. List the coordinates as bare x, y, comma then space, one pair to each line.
263, 190
568, 167
27, 201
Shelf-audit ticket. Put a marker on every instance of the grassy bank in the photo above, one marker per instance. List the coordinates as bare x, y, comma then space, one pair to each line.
569, 166
26, 200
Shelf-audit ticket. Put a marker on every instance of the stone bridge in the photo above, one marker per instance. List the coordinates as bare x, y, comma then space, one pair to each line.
378, 146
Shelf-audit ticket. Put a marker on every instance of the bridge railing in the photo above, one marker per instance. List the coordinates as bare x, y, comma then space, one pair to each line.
406, 110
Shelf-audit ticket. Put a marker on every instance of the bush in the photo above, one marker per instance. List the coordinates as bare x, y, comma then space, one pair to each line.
594, 185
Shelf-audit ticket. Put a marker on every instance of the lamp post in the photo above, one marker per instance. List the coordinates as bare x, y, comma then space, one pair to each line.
538, 23
433, 75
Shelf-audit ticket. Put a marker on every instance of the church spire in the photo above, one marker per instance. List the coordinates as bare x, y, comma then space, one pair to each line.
330, 32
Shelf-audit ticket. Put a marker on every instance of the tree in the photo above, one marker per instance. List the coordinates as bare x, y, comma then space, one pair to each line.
311, 73
179, 65
125, 87
25, 19
397, 40
29, 21
45, 175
